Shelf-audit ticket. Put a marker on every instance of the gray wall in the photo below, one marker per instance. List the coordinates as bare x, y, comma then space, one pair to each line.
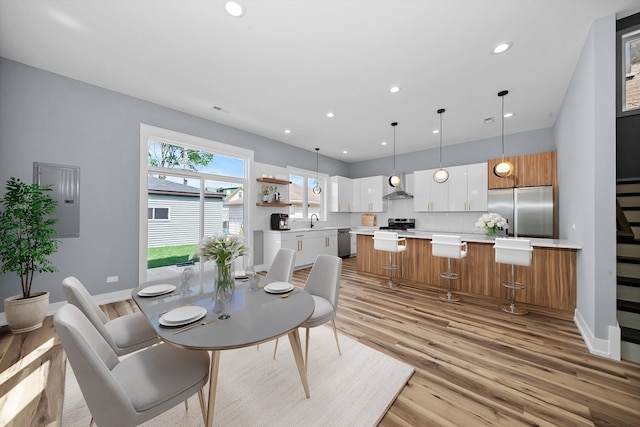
48, 118
585, 135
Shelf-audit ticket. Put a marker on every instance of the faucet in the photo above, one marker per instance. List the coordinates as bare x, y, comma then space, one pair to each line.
317, 219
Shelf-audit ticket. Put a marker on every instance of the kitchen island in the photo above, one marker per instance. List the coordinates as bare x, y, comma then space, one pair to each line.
550, 281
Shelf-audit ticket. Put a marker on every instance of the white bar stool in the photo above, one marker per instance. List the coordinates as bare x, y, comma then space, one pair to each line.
514, 252
448, 247
389, 241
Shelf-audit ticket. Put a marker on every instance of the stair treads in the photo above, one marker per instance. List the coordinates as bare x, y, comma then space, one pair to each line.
628, 270
628, 306
628, 249
633, 187
628, 200
630, 335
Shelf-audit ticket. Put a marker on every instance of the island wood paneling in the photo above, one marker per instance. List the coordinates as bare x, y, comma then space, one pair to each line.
550, 282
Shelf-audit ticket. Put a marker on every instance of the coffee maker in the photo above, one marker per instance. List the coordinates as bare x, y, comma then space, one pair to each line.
279, 221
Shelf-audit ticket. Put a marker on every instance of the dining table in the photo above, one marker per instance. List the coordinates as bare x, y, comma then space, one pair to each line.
256, 316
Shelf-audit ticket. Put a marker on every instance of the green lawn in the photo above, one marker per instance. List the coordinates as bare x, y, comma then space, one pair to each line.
169, 255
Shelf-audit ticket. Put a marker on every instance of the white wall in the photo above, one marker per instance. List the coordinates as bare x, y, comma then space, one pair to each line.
585, 137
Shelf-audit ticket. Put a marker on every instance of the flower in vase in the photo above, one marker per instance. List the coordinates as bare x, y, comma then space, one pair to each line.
491, 221
265, 190
223, 249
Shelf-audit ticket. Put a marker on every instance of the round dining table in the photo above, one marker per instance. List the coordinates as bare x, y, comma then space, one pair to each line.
256, 316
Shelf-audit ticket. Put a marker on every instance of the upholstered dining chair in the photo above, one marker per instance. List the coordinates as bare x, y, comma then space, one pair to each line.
135, 389
124, 334
282, 266
323, 284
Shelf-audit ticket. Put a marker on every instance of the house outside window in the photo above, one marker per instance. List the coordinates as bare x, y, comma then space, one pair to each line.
630, 79
157, 214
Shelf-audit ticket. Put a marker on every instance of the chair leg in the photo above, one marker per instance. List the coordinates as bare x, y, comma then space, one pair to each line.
202, 407
335, 334
91, 423
513, 286
449, 276
306, 350
275, 349
186, 405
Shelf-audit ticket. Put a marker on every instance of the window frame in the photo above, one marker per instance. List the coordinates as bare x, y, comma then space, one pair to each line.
622, 36
153, 217
306, 177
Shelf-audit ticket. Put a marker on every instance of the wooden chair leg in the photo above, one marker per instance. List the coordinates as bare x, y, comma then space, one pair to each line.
306, 350
202, 408
275, 349
335, 334
91, 422
186, 405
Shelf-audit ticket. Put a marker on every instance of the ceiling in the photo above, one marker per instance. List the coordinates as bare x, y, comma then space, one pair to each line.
286, 63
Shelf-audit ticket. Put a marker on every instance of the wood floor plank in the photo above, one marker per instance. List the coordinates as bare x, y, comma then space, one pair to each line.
474, 364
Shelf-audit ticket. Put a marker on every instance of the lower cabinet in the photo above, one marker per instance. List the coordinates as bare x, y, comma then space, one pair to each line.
308, 245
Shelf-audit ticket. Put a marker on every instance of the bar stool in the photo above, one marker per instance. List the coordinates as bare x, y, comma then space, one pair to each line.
514, 252
448, 247
388, 241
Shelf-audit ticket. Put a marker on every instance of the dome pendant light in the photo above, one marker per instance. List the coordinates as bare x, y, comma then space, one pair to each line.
504, 168
316, 188
394, 180
441, 175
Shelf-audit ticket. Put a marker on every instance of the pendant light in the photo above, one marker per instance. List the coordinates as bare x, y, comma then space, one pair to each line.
504, 168
316, 188
394, 180
441, 175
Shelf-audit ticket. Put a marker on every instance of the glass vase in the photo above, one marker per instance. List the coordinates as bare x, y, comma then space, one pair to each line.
490, 233
224, 288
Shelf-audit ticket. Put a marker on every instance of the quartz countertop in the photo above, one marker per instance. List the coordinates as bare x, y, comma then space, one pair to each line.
472, 237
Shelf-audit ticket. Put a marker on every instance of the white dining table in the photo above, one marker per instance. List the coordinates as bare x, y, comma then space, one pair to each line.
256, 317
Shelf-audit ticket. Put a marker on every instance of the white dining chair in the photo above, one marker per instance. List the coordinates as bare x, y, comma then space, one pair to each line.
323, 284
281, 269
388, 241
129, 391
125, 334
513, 252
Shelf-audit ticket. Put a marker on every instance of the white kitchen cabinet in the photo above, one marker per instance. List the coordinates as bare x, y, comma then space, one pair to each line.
367, 194
468, 187
428, 195
341, 194
307, 244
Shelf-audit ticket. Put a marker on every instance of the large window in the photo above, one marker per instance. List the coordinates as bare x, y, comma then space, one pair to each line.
193, 188
304, 202
630, 45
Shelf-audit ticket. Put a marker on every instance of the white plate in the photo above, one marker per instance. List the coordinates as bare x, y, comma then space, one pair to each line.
183, 315
151, 291
278, 287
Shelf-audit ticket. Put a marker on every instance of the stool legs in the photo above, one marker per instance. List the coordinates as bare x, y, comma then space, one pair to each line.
391, 267
513, 286
449, 276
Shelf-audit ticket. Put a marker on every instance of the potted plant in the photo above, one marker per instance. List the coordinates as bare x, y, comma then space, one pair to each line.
26, 230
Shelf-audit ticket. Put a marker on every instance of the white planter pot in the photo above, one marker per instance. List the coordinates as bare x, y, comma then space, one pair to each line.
26, 314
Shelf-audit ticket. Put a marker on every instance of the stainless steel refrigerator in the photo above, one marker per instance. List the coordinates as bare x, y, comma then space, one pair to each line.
528, 210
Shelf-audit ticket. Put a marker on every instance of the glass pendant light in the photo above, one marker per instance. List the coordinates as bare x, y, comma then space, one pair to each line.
441, 175
504, 168
316, 188
394, 180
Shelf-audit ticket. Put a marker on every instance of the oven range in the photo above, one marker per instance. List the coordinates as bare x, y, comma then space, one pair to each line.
400, 224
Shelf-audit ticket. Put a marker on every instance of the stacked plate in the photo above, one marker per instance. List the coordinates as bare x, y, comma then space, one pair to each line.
278, 287
155, 290
183, 315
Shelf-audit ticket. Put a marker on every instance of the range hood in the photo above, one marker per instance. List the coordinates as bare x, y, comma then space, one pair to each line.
399, 192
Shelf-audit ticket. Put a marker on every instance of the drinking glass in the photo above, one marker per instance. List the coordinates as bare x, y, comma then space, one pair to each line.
254, 280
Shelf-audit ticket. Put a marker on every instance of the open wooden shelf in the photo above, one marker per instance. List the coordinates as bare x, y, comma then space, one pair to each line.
275, 205
273, 181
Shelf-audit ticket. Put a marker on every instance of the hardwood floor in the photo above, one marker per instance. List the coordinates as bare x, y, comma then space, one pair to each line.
475, 365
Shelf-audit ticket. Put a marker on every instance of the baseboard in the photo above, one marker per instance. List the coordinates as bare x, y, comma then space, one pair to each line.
606, 348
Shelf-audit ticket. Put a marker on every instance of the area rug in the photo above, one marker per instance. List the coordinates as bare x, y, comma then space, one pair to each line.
355, 389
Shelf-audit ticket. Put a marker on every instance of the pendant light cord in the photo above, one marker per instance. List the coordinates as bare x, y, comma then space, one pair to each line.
394, 124
502, 94
317, 173
440, 111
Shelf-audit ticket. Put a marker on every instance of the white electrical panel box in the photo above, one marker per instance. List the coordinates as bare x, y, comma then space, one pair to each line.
65, 189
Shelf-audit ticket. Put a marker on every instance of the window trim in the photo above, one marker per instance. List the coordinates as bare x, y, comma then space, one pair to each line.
154, 219
306, 175
621, 36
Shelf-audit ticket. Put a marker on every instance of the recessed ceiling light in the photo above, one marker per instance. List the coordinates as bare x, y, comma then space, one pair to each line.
435, 131
330, 114
394, 89
507, 115
488, 120
287, 131
501, 48
345, 152
234, 8
383, 143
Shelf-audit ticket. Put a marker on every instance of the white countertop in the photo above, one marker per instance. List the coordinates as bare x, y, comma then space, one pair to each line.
472, 237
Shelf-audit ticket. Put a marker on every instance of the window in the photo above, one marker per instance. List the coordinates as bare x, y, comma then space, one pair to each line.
190, 187
304, 202
155, 214
630, 90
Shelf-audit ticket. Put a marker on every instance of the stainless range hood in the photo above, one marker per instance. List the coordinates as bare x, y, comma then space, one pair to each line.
399, 193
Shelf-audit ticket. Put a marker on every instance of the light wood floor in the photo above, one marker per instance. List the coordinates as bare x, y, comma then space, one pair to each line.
474, 364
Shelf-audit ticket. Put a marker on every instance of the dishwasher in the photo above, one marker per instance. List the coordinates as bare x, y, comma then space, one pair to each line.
344, 242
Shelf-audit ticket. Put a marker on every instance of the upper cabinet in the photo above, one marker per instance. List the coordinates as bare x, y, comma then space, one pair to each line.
468, 187
340, 194
529, 170
367, 194
428, 195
